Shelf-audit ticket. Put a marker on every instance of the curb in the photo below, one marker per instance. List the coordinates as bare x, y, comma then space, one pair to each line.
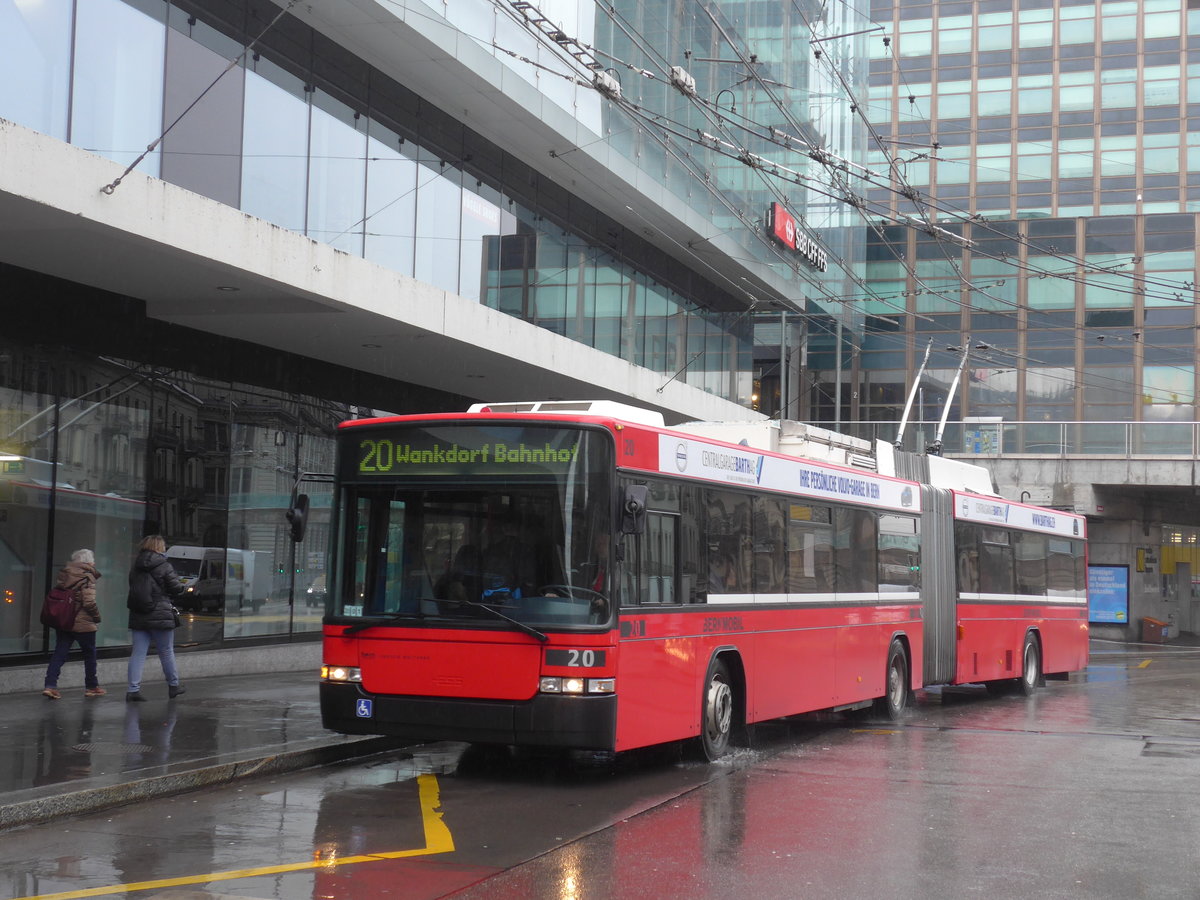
43, 809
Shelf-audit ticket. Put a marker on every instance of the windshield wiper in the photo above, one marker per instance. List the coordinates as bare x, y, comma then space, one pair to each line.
380, 618
528, 629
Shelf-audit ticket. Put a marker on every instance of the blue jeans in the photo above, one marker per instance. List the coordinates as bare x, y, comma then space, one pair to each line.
164, 643
62, 647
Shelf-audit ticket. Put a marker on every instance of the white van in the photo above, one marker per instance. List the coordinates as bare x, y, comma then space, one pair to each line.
210, 574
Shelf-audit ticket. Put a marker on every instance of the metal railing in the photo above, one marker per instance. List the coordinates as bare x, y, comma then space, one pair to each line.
1043, 439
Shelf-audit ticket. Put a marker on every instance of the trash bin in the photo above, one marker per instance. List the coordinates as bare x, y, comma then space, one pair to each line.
1155, 631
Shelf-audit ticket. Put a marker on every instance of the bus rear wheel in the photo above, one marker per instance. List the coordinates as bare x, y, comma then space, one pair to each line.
716, 716
892, 703
1031, 666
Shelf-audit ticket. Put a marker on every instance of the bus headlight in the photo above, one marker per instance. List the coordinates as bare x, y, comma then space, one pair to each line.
341, 674
551, 684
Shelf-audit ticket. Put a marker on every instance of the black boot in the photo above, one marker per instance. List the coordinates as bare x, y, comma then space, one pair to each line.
175, 690
135, 697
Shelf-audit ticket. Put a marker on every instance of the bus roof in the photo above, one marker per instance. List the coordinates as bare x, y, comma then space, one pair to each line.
609, 409
653, 448
782, 461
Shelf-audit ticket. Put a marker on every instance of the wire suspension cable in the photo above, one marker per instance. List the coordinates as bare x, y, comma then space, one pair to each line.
116, 182
922, 204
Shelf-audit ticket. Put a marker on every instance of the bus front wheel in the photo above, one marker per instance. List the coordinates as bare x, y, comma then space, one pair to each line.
716, 717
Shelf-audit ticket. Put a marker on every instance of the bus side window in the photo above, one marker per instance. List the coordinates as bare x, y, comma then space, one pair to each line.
692, 563
856, 551
630, 566
996, 570
660, 559
899, 553
966, 546
769, 564
650, 569
1061, 568
729, 528
810, 549
1030, 552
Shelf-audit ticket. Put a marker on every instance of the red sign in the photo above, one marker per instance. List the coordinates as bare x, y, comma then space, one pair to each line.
783, 227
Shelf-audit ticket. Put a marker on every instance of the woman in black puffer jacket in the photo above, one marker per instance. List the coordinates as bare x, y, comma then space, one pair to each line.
152, 584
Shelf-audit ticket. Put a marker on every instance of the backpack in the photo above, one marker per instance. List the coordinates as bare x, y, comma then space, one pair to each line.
60, 608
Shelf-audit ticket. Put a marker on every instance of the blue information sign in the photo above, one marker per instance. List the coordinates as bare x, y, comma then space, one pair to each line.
364, 708
1108, 594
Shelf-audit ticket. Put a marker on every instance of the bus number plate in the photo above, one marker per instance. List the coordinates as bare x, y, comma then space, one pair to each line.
576, 659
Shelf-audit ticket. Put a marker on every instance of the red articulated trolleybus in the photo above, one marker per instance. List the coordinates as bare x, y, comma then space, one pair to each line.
576, 575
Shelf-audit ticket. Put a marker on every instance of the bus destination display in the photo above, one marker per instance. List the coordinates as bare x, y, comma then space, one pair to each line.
460, 451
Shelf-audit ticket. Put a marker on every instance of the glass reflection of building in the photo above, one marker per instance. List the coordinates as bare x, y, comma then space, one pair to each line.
98, 450
1061, 141
120, 424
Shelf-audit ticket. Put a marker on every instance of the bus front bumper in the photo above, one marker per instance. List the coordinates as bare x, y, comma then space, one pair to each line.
547, 720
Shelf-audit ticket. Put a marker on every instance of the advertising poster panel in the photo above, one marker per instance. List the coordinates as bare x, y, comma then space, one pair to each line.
1108, 595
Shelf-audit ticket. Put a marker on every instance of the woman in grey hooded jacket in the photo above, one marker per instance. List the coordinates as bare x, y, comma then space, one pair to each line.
152, 584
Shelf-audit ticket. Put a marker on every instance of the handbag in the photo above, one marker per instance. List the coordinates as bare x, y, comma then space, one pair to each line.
60, 608
175, 616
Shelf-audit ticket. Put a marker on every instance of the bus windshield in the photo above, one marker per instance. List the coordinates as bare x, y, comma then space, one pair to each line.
500, 525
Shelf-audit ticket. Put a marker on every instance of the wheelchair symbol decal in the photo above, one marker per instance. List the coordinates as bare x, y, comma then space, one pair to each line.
364, 709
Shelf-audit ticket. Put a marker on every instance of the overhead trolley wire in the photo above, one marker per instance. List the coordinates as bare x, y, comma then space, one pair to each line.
659, 127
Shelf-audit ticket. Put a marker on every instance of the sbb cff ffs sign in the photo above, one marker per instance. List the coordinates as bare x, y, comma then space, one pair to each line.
782, 225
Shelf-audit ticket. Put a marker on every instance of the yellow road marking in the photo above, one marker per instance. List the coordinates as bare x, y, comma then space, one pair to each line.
1145, 663
437, 840
874, 731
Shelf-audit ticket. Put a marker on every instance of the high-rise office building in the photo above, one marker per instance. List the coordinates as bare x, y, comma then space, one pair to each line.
1051, 143
1039, 213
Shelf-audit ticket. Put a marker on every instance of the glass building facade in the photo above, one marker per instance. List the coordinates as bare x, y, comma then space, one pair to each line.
115, 425
1056, 147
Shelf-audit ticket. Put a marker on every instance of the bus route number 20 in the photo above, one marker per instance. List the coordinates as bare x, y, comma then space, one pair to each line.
575, 658
376, 456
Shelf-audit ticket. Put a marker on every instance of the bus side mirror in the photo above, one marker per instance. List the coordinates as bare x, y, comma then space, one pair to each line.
633, 509
297, 517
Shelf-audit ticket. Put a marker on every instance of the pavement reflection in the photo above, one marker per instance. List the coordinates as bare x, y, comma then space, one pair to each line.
1065, 793
78, 744
1059, 794
64, 744
146, 738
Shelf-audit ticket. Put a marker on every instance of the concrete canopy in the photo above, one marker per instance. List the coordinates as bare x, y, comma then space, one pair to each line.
201, 264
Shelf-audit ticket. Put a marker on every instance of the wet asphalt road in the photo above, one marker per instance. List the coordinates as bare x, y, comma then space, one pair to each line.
1089, 789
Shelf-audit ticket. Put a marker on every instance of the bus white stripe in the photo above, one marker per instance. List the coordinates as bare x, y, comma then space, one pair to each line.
1027, 599
883, 599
